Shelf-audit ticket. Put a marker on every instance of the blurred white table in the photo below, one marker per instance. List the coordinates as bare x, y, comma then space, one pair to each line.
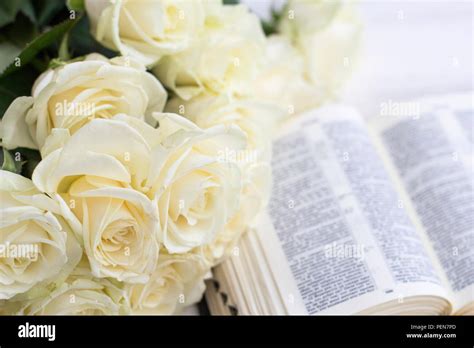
411, 48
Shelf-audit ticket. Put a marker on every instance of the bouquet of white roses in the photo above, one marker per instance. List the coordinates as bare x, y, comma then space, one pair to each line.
142, 152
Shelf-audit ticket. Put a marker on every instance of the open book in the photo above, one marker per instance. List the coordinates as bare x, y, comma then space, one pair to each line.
367, 216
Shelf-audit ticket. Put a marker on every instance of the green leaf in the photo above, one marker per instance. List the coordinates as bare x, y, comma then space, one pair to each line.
8, 52
268, 28
76, 5
21, 32
10, 164
20, 160
9, 10
47, 9
81, 42
29, 11
30, 159
16, 84
38, 44
231, 2
271, 26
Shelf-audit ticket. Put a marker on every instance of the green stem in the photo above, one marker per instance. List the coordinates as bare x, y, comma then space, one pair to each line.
63, 53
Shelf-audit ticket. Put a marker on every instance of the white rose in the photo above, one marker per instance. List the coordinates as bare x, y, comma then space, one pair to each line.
283, 81
197, 191
78, 295
256, 186
256, 119
222, 59
71, 95
146, 30
140, 183
177, 282
308, 16
37, 246
330, 41
100, 173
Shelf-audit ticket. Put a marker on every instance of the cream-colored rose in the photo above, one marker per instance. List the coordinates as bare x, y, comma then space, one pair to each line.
283, 81
308, 16
71, 95
100, 173
330, 41
222, 59
78, 295
37, 246
139, 184
256, 186
177, 282
256, 119
146, 30
198, 191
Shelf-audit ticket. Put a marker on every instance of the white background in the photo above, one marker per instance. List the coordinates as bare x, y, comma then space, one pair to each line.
411, 49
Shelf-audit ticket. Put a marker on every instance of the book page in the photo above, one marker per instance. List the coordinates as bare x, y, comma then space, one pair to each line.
431, 148
349, 244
